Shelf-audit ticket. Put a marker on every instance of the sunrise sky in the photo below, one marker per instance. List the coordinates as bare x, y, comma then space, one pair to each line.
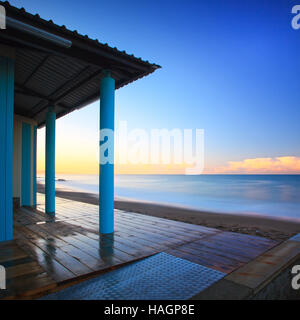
228, 67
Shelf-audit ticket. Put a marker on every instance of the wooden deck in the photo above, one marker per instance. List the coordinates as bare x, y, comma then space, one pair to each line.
51, 252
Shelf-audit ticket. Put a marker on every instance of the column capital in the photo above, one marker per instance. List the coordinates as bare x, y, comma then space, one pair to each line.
51, 109
106, 73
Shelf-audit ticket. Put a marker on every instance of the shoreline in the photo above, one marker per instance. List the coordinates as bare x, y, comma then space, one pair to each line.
264, 226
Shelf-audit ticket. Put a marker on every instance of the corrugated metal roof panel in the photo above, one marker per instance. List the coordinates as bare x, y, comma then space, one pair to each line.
74, 33
47, 75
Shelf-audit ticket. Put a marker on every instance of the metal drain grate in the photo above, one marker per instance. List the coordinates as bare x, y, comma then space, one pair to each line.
160, 277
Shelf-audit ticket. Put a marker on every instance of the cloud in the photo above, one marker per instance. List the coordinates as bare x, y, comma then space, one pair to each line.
278, 165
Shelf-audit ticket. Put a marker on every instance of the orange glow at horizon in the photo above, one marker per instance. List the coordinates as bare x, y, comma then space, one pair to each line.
278, 165
89, 165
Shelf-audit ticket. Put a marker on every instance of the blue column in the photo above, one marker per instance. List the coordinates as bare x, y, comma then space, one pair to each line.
26, 165
6, 147
50, 162
106, 170
34, 165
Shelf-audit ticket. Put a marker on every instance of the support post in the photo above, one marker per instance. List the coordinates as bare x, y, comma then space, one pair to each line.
6, 147
26, 165
106, 168
34, 164
50, 162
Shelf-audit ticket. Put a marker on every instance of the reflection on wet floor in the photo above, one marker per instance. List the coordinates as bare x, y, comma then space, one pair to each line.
69, 246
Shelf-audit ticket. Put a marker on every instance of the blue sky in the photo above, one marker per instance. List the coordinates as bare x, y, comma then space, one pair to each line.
229, 67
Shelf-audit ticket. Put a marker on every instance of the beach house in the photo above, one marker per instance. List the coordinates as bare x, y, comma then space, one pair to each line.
51, 244
46, 72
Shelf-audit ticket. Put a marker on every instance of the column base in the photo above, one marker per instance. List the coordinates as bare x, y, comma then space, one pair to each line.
51, 214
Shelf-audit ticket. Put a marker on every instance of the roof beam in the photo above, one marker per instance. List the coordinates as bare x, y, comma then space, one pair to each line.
61, 88
29, 92
36, 70
77, 86
65, 94
70, 81
73, 79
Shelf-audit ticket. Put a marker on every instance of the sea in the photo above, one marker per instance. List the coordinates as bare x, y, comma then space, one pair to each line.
268, 195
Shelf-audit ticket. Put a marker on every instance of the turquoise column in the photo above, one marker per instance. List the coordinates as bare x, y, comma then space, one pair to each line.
50, 162
106, 169
26, 165
6, 147
34, 164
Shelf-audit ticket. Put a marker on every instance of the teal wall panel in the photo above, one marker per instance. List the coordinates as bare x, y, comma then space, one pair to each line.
34, 164
6, 147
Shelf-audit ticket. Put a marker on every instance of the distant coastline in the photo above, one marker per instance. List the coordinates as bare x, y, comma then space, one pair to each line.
258, 225
267, 195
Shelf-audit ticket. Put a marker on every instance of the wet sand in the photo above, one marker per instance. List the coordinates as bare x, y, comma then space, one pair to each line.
268, 227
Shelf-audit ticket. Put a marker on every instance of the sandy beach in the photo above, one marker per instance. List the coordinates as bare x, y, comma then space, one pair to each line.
269, 227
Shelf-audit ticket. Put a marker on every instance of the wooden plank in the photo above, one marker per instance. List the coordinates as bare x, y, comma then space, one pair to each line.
11, 254
56, 270
70, 263
23, 269
69, 245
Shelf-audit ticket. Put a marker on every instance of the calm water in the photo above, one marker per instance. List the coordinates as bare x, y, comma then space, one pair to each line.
274, 195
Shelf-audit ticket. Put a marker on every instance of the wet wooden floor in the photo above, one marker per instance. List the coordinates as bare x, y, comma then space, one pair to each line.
55, 251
